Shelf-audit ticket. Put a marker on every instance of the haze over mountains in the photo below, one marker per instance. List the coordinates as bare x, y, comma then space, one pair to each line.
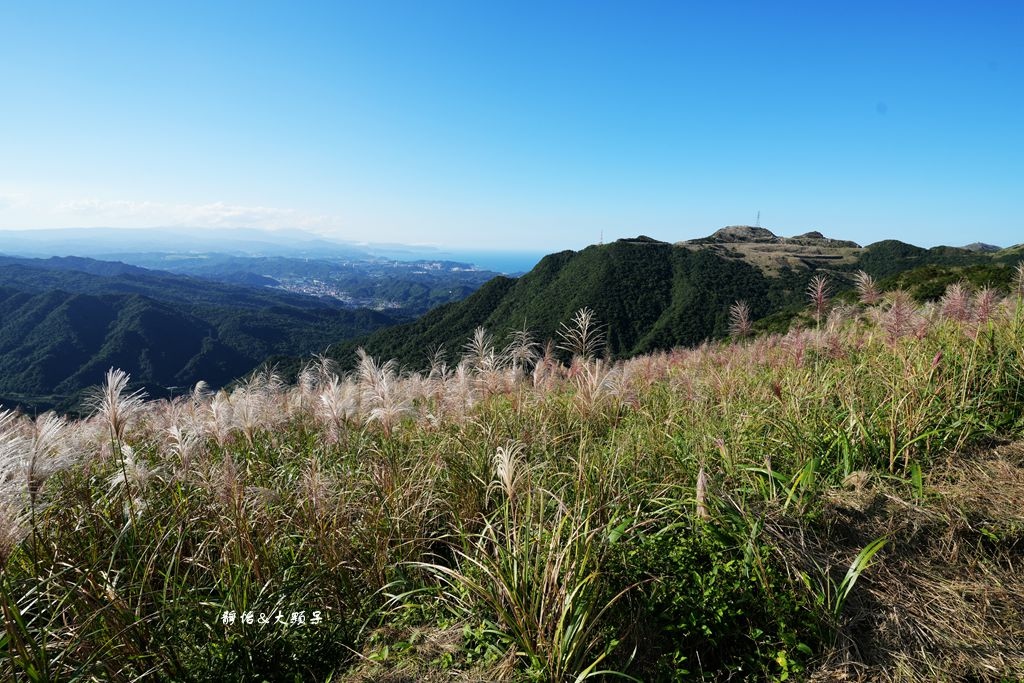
139, 245
232, 303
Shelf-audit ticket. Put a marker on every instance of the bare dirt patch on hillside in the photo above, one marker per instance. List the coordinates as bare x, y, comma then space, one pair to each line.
772, 254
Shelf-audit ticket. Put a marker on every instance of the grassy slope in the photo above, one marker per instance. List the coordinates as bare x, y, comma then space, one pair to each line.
702, 508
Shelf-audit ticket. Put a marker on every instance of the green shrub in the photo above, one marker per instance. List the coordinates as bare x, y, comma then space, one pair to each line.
701, 611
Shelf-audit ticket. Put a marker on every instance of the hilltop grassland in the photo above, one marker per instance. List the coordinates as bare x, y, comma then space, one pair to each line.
841, 502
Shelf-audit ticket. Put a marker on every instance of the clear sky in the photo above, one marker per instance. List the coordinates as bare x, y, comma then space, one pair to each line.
517, 124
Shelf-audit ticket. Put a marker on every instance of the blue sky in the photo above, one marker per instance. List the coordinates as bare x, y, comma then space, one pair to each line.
519, 125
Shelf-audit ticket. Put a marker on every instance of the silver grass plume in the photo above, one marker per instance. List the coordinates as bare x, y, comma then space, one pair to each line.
438, 365
462, 392
547, 368
183, 445
839, 315
338, 404
115, 406
594, 384
956, 302
522, 351
509, 469
247, 407
899, 318
584, 338
480, 352
703, 481
116, 409
200, 394
47, 452
985, 302
14, 521
133, 478
220, 418
379, 392
739, 319
11, 459
867, 289
818, 291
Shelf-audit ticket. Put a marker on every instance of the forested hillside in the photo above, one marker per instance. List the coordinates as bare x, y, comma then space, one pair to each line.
653, 295
66, 321
89, 276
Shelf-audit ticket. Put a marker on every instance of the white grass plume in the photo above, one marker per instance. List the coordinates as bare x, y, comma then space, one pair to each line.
131, 480
584, 337
867, 288
183, 446
480, 352
338, 404
220, 418
510, 471
739, 319
522, 351
381, 394
113, 404
47, 452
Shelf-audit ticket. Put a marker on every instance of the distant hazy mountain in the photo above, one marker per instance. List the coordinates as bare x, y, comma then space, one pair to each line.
66, 320
117, 243
656, 295
98, 242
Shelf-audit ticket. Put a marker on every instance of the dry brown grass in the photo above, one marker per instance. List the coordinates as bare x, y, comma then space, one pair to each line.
946, 603
773, 257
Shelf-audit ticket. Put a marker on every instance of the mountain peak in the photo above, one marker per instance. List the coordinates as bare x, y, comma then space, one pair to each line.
772, 253
743, 233
981, 246
640, 239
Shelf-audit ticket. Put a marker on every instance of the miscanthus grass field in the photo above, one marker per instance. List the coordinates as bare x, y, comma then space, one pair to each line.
841, 502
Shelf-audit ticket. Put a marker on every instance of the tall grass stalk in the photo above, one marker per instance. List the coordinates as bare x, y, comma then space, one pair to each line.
116, 408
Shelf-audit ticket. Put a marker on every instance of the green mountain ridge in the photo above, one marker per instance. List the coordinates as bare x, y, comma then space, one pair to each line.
66, 320
652, 295
90, 276
62, 328
405, 288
